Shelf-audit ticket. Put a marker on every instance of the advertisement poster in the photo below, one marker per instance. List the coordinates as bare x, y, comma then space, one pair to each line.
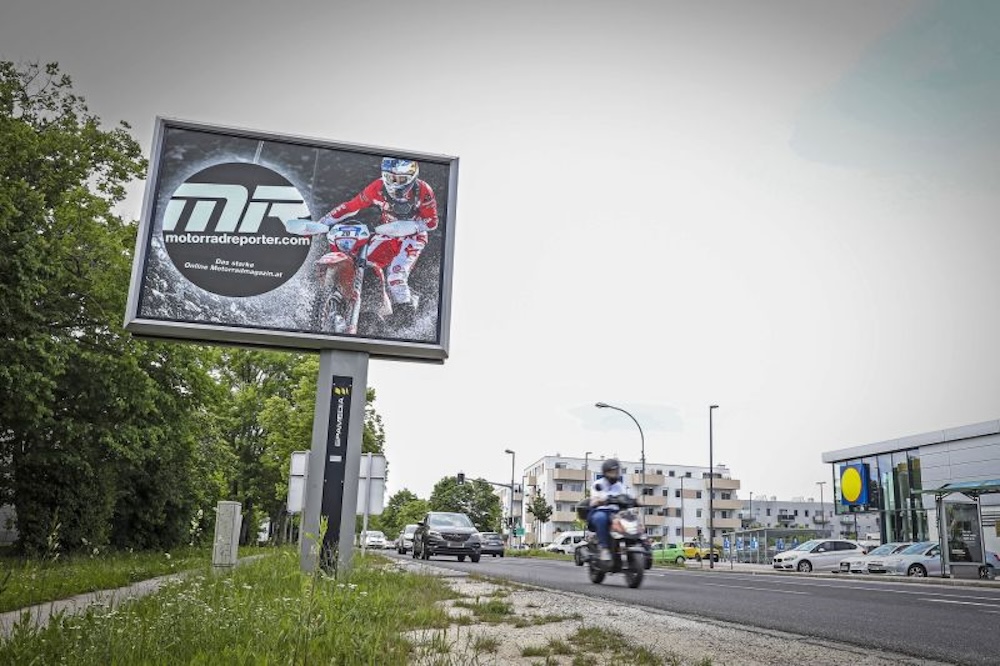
964, 532
275, 240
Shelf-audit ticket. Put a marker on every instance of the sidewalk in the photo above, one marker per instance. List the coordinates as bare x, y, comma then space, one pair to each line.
39, 614
743, 567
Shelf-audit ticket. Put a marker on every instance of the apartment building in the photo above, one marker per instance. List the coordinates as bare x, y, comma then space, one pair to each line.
763, 511
674, 497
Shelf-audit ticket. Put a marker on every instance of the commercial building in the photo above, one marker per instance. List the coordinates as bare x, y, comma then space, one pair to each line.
675, 497
899, 472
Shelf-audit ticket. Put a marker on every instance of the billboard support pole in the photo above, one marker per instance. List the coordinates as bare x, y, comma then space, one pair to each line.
334, 461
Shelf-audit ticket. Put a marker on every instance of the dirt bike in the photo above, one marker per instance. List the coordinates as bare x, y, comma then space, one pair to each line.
344, 299
628, 554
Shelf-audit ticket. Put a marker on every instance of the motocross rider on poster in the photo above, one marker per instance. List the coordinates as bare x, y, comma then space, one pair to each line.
399, 195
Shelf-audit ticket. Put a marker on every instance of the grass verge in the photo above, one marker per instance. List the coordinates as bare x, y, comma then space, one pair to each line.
28, 582
540, 554
263, 612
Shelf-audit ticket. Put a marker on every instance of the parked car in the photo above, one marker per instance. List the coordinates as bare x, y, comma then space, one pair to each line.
920, 560
566, 542
446, 533
818, 554
874, 561
669, 552
373, 539
492, 544
696, 550
404, 542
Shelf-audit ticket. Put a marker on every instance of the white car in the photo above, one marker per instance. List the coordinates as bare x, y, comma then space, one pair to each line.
874, 561
566, 542
818, 555
404, 543
373, 539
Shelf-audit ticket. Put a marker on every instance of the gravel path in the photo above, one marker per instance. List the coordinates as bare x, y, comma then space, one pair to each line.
667, 638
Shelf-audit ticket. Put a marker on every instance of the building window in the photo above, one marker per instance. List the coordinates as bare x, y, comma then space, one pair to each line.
697, 494
724, 514
660, 472
697, 514
647, 491
666, 492
769, 512
560, 465
726, 496
796, 512
807, 513
677, 493
558, 486
677, 531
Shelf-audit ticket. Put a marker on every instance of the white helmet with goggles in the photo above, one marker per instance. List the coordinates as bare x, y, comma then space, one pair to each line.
398, 176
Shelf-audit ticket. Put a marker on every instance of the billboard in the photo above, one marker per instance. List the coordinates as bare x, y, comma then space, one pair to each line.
255, 238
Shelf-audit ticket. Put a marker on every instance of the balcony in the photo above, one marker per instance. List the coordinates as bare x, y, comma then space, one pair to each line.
728, 505
690, 494
563, 516
653, 520
568, 495
821, 520
786, 518
651, 479
725, 484
568, 474
652, 500
727, 523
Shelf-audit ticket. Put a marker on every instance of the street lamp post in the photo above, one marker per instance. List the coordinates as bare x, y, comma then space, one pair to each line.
511, 539
751, 509
642, 438
822, 510
711, 493
683, 528
586, 474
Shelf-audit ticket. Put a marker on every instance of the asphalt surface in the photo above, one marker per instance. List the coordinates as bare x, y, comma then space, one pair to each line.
953, 624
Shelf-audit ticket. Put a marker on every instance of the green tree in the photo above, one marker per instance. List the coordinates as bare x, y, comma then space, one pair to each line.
474, 498
100, 434
539, 508
389, 522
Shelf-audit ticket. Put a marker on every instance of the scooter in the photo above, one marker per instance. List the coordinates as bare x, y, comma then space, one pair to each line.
628, 554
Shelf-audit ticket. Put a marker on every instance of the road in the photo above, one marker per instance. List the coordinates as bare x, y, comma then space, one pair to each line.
954, 624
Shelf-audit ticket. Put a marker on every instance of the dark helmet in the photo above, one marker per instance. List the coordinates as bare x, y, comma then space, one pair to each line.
611, 465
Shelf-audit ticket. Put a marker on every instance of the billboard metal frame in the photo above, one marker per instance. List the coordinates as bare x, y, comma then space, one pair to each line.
263, 337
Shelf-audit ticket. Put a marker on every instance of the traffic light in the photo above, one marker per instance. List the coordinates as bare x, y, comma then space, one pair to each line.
461, 478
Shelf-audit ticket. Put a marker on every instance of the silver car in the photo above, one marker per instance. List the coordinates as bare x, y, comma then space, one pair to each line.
920, 560
874, 561
818, 554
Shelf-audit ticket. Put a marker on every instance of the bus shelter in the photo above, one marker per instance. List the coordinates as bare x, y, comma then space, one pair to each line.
960, 527
760, 544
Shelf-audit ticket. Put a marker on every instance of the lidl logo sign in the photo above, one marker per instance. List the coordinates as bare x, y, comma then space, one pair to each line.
854, 484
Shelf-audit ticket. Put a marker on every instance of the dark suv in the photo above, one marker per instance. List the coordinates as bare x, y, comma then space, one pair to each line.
443, 533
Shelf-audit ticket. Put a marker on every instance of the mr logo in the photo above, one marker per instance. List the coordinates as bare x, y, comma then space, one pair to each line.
224, 229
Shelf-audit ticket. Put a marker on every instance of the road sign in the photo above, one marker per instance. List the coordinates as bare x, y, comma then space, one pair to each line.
519, 531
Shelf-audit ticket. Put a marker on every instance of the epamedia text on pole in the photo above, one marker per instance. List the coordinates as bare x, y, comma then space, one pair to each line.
335, 457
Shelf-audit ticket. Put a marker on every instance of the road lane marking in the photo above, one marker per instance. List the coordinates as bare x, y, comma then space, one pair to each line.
866, 589
763, 589
964, 603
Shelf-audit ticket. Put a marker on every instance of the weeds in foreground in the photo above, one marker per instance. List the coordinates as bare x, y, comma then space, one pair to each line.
262, 612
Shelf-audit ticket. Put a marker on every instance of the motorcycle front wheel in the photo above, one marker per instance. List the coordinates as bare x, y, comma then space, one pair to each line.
634, 572
596, 573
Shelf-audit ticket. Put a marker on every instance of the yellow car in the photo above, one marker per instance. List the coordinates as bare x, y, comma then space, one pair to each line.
694, 550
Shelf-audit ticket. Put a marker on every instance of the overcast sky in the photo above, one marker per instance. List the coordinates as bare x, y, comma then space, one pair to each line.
788, 209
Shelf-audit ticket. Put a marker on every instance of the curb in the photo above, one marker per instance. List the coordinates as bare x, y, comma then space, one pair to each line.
39, 614
865, 578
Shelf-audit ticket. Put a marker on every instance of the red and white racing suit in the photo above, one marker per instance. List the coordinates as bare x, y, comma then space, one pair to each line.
395, 256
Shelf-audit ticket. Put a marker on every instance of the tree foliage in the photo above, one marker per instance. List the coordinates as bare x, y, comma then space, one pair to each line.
474, 498
539, 508
106, 439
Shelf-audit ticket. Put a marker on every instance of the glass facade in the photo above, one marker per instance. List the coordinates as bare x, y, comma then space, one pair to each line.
893, 491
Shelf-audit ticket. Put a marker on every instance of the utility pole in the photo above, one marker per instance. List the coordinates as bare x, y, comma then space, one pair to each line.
711, 493
822, 509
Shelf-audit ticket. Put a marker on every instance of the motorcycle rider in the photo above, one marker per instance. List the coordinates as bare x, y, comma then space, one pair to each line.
399, 195
601, 510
